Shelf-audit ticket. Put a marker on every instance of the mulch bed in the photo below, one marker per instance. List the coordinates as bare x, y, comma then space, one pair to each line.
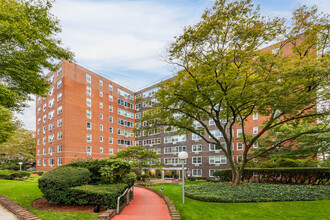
43, 204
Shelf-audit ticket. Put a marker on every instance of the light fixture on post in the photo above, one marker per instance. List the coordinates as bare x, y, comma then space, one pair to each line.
183, 156
20, 165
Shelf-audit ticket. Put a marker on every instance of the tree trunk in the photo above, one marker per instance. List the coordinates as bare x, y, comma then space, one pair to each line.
236, 176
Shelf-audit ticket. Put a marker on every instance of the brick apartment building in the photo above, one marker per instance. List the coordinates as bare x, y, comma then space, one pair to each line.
88, 116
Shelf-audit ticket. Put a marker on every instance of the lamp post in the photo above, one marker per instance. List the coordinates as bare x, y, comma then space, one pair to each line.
20, 166
182, 156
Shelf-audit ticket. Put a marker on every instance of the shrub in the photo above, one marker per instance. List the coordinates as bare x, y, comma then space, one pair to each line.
255, 192
129, 179
104, 171
103, 195
40, 173
56, 183
311, 175
21, 174
194, 178
7, 174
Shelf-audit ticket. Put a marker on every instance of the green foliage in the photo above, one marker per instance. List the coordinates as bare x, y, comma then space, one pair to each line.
224, 76
288, 162
143, 177
103, 195
28, 46
254, 192
140, 157
104, 171
311, 175
194, 178
55, 184
8, 125
21, 145
129, 179
11, 174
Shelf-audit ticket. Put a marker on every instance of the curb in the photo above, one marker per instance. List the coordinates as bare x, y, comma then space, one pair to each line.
17, 210
175, 215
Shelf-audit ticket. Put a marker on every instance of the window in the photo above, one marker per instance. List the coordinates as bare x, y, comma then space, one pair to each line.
138, 107
89, 126
101, 104
110, 140
110, 150
101, 82
89, 114
59, 122
44, 118
89, 102
59, 135
39, 162
59, 109
125, 94
255, 145
255, 130
110, 98
197, 148
44, 162
101, 138
44, 140
59, 71
59, 148
211, 173
217, 160
39, 121
51, 138
110, 87
51, 150
211, 122
51, 115
196, 160
101, 116
110, 119
89, 150
255, 116
51, 78
239, 159
89, 138
197, 124
44, 129
88, 78
51, 102
196, 172
59, 96
101, 94
44, 151
110, 130
196, 137
125, 113
89, 90
239, 132
59, 161
138, 115
110, 108
39, 152
174, 139
39, 110
125, 142
101, 150
39, 141
51, 91
239, 146
39, 131
214, 147
44, 107
101, 127
216, 133
59, 84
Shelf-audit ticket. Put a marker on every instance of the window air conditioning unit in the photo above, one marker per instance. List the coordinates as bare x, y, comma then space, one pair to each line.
217, 164
174, 142
197, 165
196, 152
174, 164
217, 151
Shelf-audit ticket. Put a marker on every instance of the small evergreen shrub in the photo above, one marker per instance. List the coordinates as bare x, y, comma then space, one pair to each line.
104, 195
129, 179
7, 174
55, 184
256, 192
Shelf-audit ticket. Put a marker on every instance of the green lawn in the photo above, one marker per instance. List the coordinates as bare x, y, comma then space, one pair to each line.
24, 193
193, 209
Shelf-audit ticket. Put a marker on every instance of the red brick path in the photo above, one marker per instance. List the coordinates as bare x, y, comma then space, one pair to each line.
146, 205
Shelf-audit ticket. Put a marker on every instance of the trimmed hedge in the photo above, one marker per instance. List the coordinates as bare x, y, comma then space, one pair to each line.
56, 184
194, 178
103, 195
256, 192
301, 175
11, 174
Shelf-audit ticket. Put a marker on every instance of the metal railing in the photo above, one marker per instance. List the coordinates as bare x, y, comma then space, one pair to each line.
127, 197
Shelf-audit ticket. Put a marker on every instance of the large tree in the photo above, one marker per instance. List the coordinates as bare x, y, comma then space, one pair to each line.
140, 158
8, 124
21, 146
224, 76
28, 45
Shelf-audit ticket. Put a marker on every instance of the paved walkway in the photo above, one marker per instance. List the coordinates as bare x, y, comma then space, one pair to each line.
6, 215
146, 205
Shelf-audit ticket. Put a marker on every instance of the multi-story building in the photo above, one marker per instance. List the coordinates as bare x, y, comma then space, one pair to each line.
83, 116
88, 116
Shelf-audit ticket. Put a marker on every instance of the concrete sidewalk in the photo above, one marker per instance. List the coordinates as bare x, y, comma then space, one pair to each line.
6, 215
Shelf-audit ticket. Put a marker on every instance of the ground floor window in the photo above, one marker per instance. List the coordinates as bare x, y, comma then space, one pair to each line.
211, 172
59, 161
196, 172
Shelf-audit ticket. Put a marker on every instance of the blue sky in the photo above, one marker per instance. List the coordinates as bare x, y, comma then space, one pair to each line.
126, 40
